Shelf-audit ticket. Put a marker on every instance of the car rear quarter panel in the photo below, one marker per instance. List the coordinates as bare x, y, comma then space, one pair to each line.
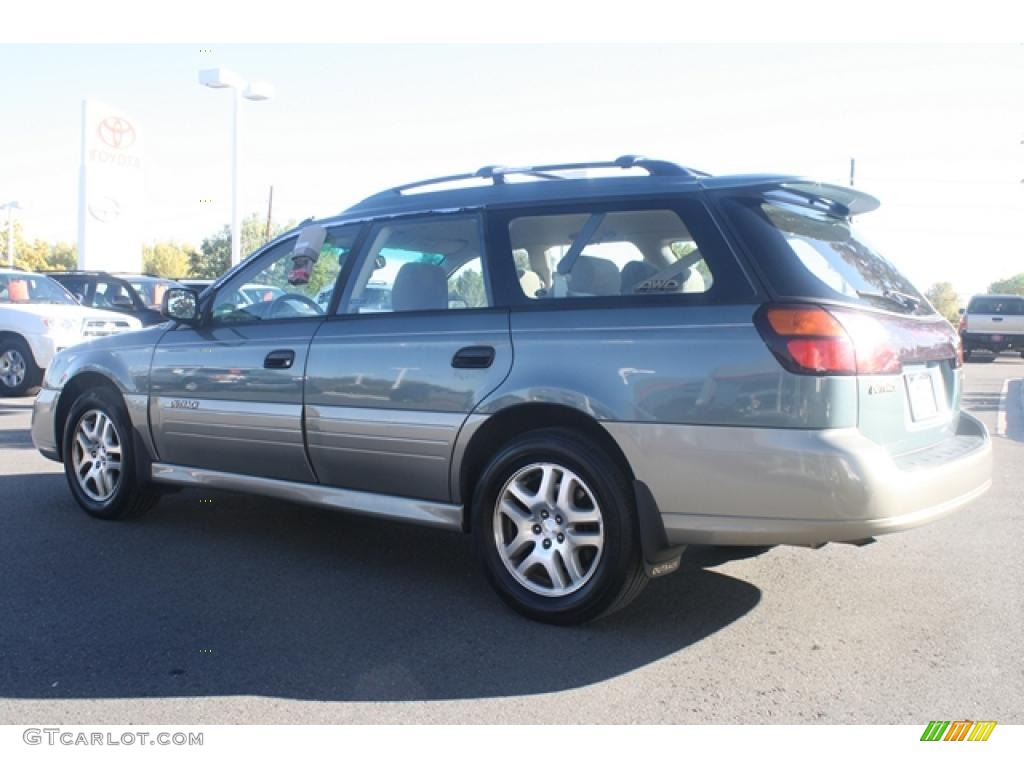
668, 365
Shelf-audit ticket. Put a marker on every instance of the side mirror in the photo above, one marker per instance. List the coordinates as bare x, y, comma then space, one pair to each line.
181, 304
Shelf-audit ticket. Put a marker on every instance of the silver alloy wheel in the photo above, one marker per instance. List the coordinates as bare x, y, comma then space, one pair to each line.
548, 529
96, 455
12, 368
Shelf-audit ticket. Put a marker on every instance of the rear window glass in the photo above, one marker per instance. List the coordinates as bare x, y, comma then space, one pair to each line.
992, 305
807, 253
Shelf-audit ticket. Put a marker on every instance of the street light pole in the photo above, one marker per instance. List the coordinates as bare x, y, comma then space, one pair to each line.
236, 222
10, 230
255, 91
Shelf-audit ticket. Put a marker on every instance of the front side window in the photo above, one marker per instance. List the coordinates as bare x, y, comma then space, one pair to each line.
617, 253
426, 264
274, 287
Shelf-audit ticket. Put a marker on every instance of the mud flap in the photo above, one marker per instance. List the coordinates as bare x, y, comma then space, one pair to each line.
660, 557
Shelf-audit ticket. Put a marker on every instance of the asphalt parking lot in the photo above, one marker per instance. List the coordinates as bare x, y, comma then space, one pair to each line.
217, 608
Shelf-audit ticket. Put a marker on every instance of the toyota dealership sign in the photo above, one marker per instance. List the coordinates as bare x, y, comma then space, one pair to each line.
111, 191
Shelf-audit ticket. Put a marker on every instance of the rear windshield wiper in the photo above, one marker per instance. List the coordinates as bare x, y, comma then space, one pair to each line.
899, 298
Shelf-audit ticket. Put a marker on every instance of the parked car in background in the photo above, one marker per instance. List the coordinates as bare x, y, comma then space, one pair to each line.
994, 322
149, 287
197, 284
130, 295
586, 373
38, 319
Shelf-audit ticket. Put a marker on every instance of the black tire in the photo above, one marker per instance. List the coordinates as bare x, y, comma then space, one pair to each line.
33, 376
618, 576
129, 499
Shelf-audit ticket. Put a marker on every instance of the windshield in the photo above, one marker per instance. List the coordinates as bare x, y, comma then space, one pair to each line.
27, 288
808, 253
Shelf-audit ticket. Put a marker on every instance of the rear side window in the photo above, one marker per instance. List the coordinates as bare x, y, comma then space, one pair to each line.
993, 305
603, 254
809, 253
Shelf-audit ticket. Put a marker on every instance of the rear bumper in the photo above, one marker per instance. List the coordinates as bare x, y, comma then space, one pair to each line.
993, 340
740, 486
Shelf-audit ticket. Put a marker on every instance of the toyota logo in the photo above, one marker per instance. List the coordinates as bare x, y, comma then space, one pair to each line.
116, 133
105, 209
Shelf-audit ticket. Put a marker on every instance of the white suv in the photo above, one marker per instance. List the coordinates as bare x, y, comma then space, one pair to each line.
38, 318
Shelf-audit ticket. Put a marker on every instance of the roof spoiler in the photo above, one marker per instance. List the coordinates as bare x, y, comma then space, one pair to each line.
849, 202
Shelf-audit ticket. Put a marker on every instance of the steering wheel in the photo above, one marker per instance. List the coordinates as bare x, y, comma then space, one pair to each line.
276, 303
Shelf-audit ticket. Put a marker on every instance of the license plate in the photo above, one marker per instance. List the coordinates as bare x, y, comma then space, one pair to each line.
921, 391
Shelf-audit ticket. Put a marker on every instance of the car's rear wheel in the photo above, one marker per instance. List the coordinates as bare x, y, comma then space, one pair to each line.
100, 460
19, 374
555, 528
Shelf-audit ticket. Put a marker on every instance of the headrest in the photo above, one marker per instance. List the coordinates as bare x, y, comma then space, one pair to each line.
419, 285
593, 276
634, 273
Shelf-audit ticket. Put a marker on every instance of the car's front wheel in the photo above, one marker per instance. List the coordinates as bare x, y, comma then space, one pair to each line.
100, 460
19, 374
554, 525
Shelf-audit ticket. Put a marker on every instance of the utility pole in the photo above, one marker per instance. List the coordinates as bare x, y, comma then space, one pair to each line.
270, 211
10, 230
10, 238
853, 162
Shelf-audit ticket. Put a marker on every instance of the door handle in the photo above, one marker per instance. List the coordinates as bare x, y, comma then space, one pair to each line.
997, 319
473, 357
279, 358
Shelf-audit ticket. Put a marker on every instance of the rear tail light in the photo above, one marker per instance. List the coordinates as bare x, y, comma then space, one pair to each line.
812, 340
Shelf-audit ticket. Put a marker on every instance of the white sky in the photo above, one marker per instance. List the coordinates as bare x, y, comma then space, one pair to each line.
936, 129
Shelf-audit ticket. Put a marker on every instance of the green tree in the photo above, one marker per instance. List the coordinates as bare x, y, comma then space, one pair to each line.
214, 256
64, 255
167, 259
469, 286
19, 242
34, 256
1013, 284
37, 255
944, 298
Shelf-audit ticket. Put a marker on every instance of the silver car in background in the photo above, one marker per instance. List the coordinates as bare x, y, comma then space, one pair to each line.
587, 374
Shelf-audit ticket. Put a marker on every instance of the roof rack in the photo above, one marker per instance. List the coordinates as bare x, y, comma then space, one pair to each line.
497, 173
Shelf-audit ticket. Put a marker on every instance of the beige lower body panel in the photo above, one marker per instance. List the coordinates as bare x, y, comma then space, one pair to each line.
751, 486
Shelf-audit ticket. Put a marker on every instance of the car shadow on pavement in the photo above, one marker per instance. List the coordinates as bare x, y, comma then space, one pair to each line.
214, 594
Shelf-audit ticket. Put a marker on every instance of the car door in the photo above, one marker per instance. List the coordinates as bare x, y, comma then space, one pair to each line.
416, 344
227, 395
